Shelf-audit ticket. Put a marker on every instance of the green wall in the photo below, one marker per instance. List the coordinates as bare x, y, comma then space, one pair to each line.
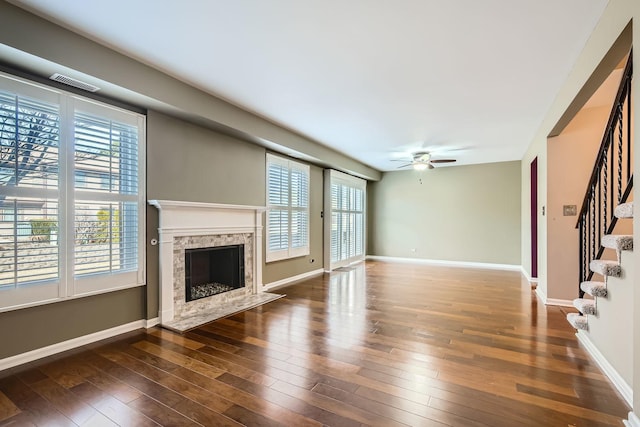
463, 213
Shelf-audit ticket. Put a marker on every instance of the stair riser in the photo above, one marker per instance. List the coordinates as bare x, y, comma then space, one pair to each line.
624, 210
618, 243
595, 289
605, 268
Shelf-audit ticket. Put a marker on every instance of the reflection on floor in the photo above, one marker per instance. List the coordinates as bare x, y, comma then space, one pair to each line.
380, 343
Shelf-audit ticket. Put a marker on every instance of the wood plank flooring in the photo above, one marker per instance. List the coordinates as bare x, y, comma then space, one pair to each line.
382, 344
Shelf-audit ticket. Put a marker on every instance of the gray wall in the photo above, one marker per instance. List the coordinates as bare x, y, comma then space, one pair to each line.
461, 213
279, 270
186, 162
191, 163
126, 79
31, 328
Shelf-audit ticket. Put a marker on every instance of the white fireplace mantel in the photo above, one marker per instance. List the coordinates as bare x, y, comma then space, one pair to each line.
180, 218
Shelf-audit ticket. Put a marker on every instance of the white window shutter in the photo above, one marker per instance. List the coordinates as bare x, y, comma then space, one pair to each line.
71, 170
287, 208
344, 219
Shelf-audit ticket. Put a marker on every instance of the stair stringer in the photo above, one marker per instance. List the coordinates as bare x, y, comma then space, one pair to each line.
611, 329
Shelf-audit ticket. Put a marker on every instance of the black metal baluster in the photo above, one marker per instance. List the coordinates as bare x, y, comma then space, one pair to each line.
603, 195
607, 186
620, 132
629, 129
581, 255
593, 226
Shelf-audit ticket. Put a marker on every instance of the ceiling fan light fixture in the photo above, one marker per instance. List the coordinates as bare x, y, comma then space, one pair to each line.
420, 166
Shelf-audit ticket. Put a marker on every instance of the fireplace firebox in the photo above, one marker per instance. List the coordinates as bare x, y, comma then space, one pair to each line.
212, 271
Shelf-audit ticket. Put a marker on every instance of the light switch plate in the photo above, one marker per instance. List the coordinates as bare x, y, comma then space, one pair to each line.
569, 210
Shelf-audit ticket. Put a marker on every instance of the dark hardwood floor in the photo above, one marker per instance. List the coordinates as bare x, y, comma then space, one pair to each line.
383, 344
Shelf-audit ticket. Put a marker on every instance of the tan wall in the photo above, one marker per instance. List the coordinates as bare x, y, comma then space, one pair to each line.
635, 12
606, 46
569, 163
593, 66
611, 329
462, 213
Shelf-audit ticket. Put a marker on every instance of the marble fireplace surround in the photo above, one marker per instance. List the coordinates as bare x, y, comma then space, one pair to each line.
188, 225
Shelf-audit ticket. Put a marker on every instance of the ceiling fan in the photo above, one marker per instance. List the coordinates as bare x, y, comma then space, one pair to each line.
422, 160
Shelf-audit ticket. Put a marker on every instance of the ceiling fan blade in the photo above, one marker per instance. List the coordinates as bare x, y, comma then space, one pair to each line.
430, 166
443, 161
404, 166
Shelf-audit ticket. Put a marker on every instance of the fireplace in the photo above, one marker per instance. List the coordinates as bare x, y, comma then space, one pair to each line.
214, 270
197, 228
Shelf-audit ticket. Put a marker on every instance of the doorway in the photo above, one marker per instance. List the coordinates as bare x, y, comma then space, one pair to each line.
534, 218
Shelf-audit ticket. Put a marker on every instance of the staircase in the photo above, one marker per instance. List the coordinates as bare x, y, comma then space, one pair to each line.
604, 203
605, 306
605, 268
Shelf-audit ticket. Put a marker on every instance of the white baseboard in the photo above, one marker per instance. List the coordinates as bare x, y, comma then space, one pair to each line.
633, 420
527, 276
620, 384
540, 293
30, 356
283, 282
559, 302
467, 264
150, 323
552, 301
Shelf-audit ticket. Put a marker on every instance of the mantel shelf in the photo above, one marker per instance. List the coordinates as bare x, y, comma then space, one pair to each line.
176, 204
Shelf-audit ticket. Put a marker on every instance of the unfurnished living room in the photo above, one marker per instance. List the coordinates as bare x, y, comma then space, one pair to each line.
321, 213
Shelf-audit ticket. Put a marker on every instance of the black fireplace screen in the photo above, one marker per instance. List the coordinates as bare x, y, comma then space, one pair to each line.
211, 271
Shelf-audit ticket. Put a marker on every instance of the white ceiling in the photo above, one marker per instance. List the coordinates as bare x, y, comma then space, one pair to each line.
374, 79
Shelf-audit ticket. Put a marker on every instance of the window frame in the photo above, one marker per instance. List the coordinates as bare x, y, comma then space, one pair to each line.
289, 251
68, 285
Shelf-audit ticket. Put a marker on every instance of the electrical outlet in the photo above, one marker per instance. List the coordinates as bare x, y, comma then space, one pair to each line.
413, 250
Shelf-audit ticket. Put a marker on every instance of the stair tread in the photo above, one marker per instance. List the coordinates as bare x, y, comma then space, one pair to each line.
605, 267
577, 321
595, 289
624, 210
619, 242
586, 306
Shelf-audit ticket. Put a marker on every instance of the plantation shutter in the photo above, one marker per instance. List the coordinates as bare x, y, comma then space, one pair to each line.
278, 203
106, 209
287, 208
70, 180
345, 207
29, 211
299, 209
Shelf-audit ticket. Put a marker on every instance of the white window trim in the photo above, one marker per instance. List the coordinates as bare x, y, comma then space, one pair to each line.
271, 256
67, 286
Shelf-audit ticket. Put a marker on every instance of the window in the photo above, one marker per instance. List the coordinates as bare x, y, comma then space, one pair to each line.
70, 198
345, 199
287, 208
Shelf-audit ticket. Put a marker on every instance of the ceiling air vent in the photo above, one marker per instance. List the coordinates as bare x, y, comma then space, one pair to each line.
70, 81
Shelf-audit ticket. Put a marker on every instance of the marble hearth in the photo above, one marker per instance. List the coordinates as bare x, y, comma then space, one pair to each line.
193, 225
